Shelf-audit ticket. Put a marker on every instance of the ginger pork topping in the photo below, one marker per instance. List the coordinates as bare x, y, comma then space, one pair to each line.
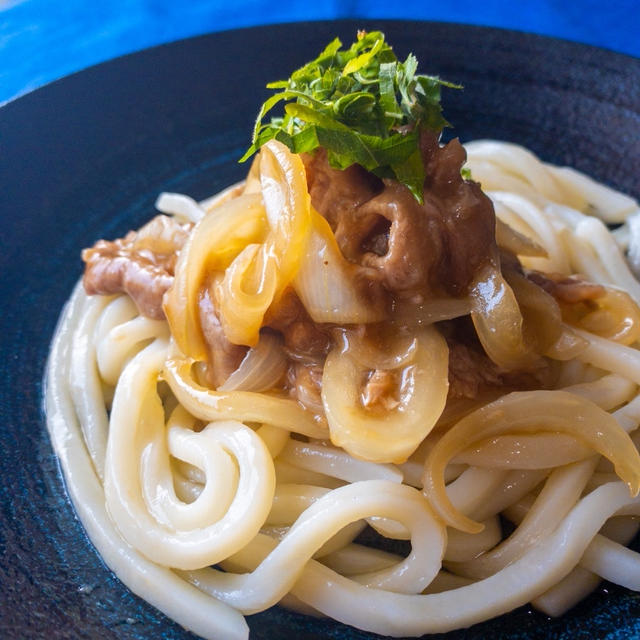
141, 264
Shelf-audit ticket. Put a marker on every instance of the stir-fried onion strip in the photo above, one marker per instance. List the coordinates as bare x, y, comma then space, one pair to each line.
245, 293
568, 346
521, 412
542, 321
260, 273
498, 321
409, 314
245, 406
614, 316
517, 243
288, 206
262, 367
214, 242
257, 239
422, 385
327, 283
548, 450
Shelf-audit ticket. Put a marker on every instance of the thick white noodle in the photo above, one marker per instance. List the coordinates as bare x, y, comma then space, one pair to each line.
157, 584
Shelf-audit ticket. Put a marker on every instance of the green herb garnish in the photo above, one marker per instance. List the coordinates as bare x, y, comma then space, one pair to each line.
362, 105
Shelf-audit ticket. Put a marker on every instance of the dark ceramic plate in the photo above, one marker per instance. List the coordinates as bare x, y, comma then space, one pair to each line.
84, 158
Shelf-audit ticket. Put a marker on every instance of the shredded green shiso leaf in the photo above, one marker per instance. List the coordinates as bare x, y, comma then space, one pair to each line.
360, 104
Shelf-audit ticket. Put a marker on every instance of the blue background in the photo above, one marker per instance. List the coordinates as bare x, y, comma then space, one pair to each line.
42, 40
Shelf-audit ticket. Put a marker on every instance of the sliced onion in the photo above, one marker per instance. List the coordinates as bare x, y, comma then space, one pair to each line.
252, 182
162, 235
181, 206
261, 368
259, 274
244, 406
542, 320
524, 451
614, 316
526, 412
517, 243
288, 206
213, 244
430, 311
327, 284
499, 323
567, 346
366, 348
393, 435
246, 292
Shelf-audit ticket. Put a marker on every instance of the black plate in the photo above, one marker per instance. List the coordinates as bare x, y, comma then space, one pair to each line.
85, 157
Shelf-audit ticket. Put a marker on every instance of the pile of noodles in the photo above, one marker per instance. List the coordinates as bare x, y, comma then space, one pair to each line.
211, 504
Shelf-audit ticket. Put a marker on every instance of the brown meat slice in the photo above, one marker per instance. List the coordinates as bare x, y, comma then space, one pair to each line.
306, 344
471, 371
303, 338
304, 382
335, 192
141, 264
435, 247
223, 356
380, 391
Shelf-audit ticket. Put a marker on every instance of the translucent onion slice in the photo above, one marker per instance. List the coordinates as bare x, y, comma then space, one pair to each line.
177, 204
387, 436
288, 206
547, 450
258, 275
568, 346
614, 316
517, 243
525, 451
542, 320
214, 242
161, 235
253, 177
327, 284
408, 314
232, 191
246, 292
261, 368
530, 411
244, 406
498, 321
366, 351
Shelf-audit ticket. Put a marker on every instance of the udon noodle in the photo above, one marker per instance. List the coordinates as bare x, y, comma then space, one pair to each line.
214, 502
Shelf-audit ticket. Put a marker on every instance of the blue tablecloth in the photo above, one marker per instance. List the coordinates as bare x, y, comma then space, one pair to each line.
41, 40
